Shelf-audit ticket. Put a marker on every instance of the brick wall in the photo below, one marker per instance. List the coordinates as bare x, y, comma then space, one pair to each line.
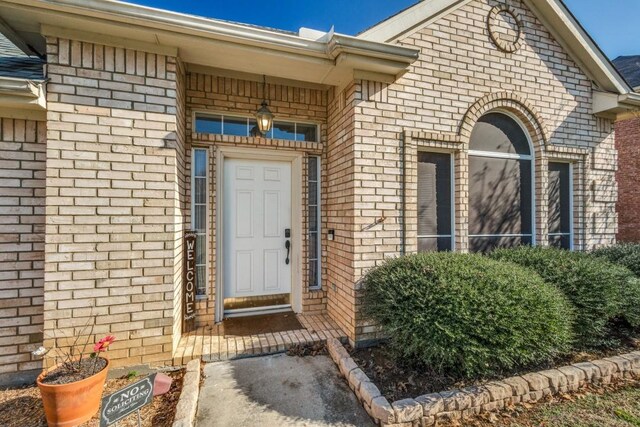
628, 177
209, 93
460, 75
114, 185
22, 170
341, 210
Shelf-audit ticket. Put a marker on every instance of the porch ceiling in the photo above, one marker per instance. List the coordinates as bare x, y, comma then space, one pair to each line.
329, 59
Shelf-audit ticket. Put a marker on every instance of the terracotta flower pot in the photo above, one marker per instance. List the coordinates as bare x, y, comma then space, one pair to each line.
68, 405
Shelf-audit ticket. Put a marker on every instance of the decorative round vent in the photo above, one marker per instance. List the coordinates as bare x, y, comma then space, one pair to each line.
505, 28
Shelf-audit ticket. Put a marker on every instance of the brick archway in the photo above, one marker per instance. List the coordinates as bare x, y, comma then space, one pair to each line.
513, 103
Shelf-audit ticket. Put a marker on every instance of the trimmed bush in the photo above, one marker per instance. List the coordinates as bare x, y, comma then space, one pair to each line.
600, 291
466, 313
625, 254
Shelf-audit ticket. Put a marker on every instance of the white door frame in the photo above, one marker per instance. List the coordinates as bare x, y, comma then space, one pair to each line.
293, 157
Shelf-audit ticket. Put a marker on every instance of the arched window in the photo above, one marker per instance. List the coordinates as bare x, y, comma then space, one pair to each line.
501, 206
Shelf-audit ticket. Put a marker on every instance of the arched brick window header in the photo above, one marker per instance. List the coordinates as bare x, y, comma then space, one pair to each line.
516, 105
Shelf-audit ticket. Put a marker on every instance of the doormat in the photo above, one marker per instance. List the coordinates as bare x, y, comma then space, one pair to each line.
262, 324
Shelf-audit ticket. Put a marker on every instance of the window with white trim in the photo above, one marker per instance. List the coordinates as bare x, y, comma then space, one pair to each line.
224, 124
313, 223
501, 204
435, 202
199, 197
560, 192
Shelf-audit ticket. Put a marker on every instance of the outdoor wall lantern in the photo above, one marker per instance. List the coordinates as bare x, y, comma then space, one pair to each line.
264, 116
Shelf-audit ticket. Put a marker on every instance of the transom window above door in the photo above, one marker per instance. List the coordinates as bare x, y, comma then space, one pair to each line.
501, 204
236, 125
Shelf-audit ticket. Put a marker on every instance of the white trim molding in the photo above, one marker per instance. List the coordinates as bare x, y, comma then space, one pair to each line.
295, 158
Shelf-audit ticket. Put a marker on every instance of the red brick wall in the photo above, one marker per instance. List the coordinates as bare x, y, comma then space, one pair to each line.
628, 177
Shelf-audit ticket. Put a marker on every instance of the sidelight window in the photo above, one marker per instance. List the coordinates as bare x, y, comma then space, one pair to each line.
199, 215
313, 221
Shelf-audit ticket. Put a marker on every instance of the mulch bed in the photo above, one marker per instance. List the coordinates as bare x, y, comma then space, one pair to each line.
304, 350
397, 381
22, 407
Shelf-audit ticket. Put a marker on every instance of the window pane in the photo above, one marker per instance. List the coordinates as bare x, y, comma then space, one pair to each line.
200, 217
306, 132
313, 274
435, 244
313, 246
499, 133
488, 244
562, 242
201, 280
284, 131
313, 168
499, 196
253, 128
201, 249
313, 218
434, 194
559, 198
200, 190
236, 126
209, 124
200, 163
313, 193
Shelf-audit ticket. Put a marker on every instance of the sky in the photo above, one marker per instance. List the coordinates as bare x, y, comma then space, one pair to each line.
612, 23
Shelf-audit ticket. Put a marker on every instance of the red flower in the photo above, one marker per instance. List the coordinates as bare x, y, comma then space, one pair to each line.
103, 344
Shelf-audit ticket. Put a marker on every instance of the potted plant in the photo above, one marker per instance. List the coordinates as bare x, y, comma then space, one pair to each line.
72, 388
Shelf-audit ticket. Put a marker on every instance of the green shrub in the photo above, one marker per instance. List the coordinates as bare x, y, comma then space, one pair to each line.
466, 313
625, 254
599, 290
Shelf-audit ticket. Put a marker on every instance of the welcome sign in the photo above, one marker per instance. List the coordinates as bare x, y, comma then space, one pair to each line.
123, 402
189, 280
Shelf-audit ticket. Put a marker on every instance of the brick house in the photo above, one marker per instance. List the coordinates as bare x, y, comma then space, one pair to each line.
628, 146
454, 125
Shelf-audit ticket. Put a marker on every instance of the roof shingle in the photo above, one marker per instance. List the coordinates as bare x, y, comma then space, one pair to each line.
14, 63
629, 67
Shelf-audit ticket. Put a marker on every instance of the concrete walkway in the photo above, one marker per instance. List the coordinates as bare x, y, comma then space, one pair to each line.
277, 390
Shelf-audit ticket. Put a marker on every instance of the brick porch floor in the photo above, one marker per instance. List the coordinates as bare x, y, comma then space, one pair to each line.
210, 344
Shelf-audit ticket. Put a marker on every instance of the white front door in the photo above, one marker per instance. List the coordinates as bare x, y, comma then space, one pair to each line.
257, 211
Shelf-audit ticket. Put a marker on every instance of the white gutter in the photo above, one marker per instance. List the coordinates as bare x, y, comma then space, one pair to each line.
19, 87
632, 99
340, 43
20, 93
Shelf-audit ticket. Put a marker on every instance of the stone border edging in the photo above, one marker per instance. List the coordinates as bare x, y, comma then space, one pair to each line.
188, 401
458, 404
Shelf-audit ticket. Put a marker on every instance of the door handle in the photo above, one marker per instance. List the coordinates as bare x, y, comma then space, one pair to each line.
287, 245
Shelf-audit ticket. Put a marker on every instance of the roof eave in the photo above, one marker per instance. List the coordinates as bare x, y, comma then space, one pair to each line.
188, 36
613, 106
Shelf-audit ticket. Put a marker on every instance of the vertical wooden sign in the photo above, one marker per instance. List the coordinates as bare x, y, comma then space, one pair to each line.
189, 282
